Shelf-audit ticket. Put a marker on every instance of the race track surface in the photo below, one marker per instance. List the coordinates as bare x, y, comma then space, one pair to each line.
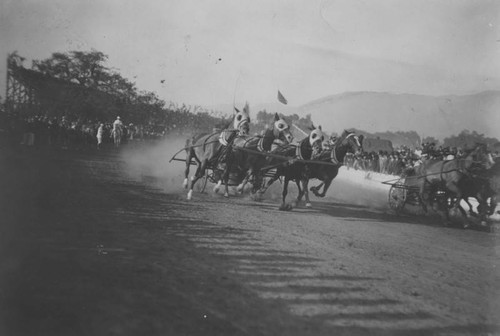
104, 243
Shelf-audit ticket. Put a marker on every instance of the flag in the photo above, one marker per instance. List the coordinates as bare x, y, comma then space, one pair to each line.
281, 98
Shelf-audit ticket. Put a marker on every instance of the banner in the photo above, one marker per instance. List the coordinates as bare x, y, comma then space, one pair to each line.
281, 98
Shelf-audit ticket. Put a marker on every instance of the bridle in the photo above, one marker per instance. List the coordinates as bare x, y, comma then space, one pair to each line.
333, 155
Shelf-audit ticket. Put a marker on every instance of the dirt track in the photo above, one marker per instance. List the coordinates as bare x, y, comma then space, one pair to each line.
97, 244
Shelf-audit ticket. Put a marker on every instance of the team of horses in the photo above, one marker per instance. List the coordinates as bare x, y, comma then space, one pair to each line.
474, 175
240, 158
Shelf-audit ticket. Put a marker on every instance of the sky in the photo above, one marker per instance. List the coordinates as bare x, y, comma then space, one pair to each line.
224, 51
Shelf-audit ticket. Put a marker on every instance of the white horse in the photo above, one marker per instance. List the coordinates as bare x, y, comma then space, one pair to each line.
206, 149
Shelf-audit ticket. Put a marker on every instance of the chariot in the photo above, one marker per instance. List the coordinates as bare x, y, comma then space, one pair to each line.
405, 190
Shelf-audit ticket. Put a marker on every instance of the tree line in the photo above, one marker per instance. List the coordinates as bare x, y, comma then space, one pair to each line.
79, 86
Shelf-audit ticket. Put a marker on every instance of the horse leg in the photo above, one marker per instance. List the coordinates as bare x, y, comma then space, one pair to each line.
230, 159
225, 179
493, 205
453, 187
326, 186
200, 172
305, 183
243, 183
220, 179
186, 171
269, 183
482, 208
421, 196
285, 206
316, 188
301, 192
257, 184
471, 209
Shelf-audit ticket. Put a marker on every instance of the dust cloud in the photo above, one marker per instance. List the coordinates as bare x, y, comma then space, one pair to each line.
345, 189
148, 162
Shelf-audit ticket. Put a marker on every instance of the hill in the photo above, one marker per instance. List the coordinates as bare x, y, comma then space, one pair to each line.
439, 116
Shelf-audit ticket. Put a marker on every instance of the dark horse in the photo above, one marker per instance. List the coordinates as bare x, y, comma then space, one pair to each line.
451, 176
206, 150
348, 142
247, 154
483, 186
294, 170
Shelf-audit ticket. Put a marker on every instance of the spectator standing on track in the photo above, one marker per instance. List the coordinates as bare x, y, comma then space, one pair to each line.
131, 131
100, 133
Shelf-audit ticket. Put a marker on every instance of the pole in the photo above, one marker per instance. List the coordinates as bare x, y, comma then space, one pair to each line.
297, 127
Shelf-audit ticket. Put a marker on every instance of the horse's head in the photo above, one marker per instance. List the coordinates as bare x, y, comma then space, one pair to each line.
241, 120
316, 138
281, 129
353, 142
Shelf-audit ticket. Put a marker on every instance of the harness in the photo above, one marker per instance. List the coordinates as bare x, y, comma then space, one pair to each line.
226, 145
333, 156
260, 145
298, 150
298, 153
227, 141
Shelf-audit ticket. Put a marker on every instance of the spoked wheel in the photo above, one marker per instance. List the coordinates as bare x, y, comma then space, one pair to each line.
397, 198
202, 184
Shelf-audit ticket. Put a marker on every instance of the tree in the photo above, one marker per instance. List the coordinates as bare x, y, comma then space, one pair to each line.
468, 139
93, 90
430, 139
84, 68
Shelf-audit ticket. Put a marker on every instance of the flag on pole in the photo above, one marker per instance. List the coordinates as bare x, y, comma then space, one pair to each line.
281, 98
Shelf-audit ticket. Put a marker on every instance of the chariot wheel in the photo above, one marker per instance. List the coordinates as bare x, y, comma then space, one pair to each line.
397, 198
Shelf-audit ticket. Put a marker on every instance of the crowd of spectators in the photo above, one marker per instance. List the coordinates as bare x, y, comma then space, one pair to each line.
399, 160
392, 163
67, 133
39, 131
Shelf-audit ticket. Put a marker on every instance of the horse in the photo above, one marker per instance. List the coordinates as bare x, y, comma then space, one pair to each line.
293, 170
348, 142
450, 176
247, 154
482, 187
117, 134
207, 149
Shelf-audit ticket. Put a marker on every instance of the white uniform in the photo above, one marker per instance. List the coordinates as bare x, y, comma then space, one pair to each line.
100, 132
117, 123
